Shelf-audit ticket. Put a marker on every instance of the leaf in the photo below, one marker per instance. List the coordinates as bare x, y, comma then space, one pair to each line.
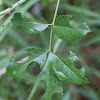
46, 2
25, 26
65, 31
43, 20
85, 27
53, 83
67, 95
17, 70
65, 71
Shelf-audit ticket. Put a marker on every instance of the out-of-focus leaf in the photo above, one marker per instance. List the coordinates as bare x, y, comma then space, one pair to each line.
89, 94
67, 95
25, 26
80, 10
17, 70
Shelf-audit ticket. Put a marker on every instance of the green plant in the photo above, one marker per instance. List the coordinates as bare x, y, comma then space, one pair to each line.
55, 70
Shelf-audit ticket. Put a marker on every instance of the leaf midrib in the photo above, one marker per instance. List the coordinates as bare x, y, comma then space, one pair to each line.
71, 28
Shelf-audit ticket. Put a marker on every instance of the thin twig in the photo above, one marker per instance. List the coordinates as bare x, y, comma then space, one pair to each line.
4, 12
53, 24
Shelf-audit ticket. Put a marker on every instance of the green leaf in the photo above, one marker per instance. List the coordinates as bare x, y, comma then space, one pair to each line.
65, 31
25, 26
43, 21
46, 2
64, 70
53, 83
17, 70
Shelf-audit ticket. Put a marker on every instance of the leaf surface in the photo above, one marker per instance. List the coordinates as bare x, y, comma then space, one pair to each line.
65, 31
25, 26
53, 83
64, 70
17, 70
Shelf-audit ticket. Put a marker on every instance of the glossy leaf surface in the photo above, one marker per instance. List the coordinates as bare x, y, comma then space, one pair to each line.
64, 70
53, 83
17, 70
65, 31
25, 26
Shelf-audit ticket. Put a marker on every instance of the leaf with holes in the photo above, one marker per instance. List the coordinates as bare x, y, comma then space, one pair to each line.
65, 31
27, 27
17, 70
53, 83
64, 70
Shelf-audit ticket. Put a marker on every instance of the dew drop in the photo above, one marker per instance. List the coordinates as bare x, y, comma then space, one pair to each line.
31, 30
66, 77
60, 73
14, 72
41, 27
62, 94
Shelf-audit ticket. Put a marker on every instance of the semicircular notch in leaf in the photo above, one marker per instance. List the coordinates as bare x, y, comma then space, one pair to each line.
53, 83
65, 71
65, 31
27, 27
17, 70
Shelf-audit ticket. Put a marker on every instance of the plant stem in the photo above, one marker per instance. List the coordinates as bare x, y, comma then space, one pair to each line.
47, 63
50, 38
33, 90
53, 24
12, 7
55, 12
57, 43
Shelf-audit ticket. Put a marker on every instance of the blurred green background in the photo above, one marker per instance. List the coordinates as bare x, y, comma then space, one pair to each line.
13, 43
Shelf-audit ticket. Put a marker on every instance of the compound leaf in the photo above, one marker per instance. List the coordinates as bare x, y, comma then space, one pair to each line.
25, 26
17, 70
64, 70
65, 31
53, 83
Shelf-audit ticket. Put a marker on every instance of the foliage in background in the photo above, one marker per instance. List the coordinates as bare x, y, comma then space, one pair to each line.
87, 50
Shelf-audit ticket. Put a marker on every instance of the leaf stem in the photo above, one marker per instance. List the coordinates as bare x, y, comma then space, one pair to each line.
53, 24
50, 37
33, 90
55, 12
57, 43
